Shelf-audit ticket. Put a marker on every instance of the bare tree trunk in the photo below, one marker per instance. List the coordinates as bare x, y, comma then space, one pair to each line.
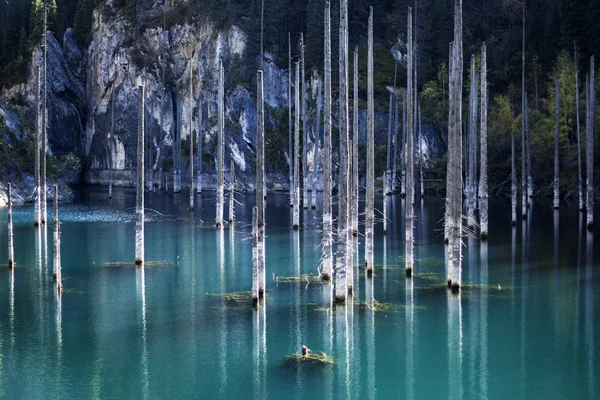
579, 179
220, 147
556, 201
231, 192
394, 110
313, 204
262, 31
344, 253
591, 118
449, 189
387, 187
327, 214
11, 252
370, 178
454, 175
200, 139
255, 256
305, 179
191, 140
523, 133
410, 149
384, 206
513, 180
403, 148
415, 98
354, 213
260, 179
290, 150
37, 202
177, 149
483, 178
42, 192
296, 205
529, 173
420, 137
57, 275
139, 208
472, 149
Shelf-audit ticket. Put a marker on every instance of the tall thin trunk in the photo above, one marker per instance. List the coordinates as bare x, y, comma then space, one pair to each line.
57, 275
415, 97
513, 180
529, 173
221, 146
384, 207
37, 202
255, 255
231, 192
403, 148
344, 253
191, 140
370, 178
556, 201
483, 178
420, 153
139, 206
591, 118
316, 154
305, 179
449, 194
454, 175
388, 164
290, 150
260, 178
177, 147
579, 179
354, 212
410, 150
523, 149
42, 192
394, 110
327, 255
296, 205
11, 252
262, 31
471, 146
200, 140
110, 147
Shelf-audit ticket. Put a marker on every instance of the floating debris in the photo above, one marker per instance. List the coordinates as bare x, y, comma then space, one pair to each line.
378, 306
147, 264
234, 297
306, 357
303, 278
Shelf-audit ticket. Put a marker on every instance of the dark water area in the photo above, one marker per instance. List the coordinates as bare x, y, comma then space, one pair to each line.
522, 328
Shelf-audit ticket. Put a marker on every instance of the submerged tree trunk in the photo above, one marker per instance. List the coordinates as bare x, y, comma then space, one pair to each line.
410, 149
220, 147
403, 148
231, 192
513, 180
317, 151
483, 179
394, 111
177, 149
370, 178
255, 256
591, 118
579, 180
305, 178
296, 205
556, 201
420, 154
454, 174
42, 193
344, 255
290, 150
354, 213
260, 179
191, 141
200, 141
384, 207
529, 174
523, 149
387, 188
11, 252
57, 275
139, 211
37, 203
327, 255
472, 147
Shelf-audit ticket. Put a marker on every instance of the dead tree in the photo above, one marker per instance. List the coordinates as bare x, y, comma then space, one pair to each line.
191, 140
290, 150
44, 151
556, 201
579, 180
11, 252
139, 207
231, 192
591, 118
354, 213
370, 178
200, 140
37, 202
523, 147
305, 179
472, 149
220, 146
313, 204
327, 255
260, 178
387, 185
296, 205
410, 149
57, 275
529, 172
483, 178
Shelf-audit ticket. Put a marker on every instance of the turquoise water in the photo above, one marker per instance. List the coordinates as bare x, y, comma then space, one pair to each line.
165, 332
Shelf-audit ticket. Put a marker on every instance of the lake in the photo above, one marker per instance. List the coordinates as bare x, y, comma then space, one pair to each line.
523, 326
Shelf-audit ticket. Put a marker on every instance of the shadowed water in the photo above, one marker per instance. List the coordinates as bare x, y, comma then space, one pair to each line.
523, 327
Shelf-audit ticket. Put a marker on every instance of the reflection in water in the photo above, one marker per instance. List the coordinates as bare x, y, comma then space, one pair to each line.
589, 312
297, 328
513, 263
410, 339
327, 289
222, 317
370, 339
473, 315
12, 307
140, 283
260, 352
556, 291
580, 246
524, 278
483, 333
455, 343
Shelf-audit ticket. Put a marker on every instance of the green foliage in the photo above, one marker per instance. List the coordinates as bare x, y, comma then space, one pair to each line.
276, 141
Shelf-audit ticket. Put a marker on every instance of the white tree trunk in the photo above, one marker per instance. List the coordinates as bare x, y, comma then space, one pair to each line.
255, 255
529, 173
191, 140
200, 140
296, 205
523, 133
42, 193
579, 179
513, 180
483, 179
403, 148
305, 179
177, 149
139, 211
370, 178
410, 149
220, 147
37, 202
327, 256
344, 253
387, 188
420, 155
57, 275
354, 213
591, 118
231, 192
384, 206
394, 111
260, 180
11, 252
317, 147
290, 150
556, 201
472, 149
454, 174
